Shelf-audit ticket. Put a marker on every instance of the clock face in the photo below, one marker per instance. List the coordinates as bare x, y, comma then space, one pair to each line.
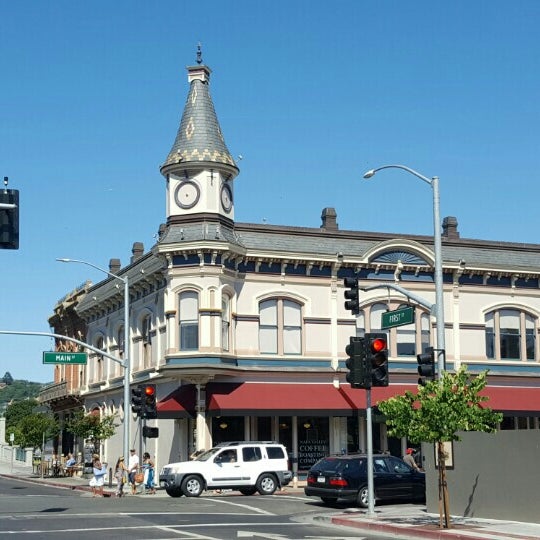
187, 194
226, 198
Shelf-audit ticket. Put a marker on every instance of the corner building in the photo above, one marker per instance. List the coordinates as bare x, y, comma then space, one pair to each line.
243, 329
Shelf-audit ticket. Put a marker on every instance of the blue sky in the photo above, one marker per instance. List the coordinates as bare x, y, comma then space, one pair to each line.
310, 93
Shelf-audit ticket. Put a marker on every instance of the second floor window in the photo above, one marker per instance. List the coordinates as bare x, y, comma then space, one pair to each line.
280, 327
225, 323
510, 335
189, 321
146, 341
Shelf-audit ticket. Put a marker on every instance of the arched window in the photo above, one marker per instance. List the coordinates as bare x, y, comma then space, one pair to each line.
406, 340
375, 320
510, 335
100, 361
280, 327
146, 327
189, 321
225, 323
120, 341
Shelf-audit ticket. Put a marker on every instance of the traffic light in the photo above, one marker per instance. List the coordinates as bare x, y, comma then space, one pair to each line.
150, 432
426, 365
358, 376
149, 401
377, 358
137, 400
9, 218
353, 299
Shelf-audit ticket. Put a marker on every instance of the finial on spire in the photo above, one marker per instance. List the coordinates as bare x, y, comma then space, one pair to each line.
199, 53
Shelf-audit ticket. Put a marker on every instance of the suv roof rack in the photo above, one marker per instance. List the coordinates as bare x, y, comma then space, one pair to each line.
237, 443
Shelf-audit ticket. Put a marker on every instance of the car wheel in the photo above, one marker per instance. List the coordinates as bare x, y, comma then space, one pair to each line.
176, 492
329, 500
248, 490
192, 486
266, 484
363, 496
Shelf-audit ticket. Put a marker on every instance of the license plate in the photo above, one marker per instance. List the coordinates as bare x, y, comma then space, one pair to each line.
321, 479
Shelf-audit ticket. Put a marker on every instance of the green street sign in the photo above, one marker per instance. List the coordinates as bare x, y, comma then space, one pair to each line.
399, 317
65, 358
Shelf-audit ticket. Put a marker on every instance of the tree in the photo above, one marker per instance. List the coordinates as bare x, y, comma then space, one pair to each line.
19, 410
7, 378
436, 414
33, 429
92, 426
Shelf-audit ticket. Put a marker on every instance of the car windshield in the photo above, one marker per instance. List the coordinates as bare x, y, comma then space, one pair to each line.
205, 456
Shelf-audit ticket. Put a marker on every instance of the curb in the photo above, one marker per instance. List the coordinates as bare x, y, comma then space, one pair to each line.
410, 533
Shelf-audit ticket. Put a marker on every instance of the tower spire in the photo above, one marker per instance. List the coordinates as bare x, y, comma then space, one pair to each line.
199, 143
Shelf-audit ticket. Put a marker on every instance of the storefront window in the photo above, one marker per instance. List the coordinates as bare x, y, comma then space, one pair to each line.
313, 440
227, 428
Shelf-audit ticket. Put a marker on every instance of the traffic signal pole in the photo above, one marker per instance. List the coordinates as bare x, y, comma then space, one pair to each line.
369, 433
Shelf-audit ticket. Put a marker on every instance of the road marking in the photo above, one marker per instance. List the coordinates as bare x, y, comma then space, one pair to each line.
246, 506
171, 528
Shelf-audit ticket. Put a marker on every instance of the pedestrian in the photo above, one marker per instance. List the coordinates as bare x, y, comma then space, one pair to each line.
99, 469
409, 459
133, 469
148, 468
70, 464
120, 473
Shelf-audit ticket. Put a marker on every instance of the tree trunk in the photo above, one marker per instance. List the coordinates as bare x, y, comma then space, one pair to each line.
444, 506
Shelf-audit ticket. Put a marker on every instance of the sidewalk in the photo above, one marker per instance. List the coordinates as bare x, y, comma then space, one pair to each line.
402, 521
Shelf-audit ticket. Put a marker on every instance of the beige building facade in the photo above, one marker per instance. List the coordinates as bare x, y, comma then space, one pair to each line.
243, 328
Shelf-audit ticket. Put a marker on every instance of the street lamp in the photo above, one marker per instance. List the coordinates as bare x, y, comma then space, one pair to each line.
126, 360
439, 308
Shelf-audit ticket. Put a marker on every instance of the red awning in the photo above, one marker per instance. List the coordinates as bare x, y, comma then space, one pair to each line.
178, 404
291, 399
318, 399
513, 399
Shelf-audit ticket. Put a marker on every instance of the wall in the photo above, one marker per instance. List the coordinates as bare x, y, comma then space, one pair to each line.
494, 476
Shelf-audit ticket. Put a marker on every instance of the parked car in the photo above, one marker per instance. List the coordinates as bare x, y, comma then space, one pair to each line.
345, 477
244, 466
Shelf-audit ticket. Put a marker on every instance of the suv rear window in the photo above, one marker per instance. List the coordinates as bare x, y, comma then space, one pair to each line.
275, 452
337, 465
251, 453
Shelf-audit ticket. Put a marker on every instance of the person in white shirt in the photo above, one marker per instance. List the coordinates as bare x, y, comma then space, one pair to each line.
133, 468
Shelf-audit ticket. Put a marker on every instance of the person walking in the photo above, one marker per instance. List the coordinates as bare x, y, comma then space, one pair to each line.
133, 469
148, 468
120, 473
99, 469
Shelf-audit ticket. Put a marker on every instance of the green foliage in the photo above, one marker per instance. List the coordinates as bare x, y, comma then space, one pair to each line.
34, 428
91, 426
19, 410
441, 409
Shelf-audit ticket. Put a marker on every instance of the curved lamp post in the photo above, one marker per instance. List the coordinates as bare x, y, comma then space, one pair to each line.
125, 363
439, 307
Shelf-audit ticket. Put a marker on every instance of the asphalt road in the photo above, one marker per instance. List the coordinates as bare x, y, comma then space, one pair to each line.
36, 511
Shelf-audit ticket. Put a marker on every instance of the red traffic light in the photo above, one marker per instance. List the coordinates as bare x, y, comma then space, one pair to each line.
149, 390
378, 345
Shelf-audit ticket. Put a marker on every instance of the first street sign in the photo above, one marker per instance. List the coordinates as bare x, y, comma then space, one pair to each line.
399, 317
65, 358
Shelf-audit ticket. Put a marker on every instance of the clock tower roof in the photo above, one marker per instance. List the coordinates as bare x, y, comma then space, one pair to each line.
199, 143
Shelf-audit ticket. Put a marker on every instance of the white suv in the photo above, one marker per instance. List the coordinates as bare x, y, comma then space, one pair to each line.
244, 466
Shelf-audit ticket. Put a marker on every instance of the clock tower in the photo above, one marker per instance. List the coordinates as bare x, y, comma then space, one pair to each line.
199, 169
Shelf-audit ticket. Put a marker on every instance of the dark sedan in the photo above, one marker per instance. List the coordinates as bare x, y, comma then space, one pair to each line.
345, 477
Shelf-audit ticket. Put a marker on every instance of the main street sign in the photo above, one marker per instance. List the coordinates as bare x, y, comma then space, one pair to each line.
399, 317
65, 357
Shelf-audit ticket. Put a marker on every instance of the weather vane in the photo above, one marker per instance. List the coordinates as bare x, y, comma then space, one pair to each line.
199, 53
